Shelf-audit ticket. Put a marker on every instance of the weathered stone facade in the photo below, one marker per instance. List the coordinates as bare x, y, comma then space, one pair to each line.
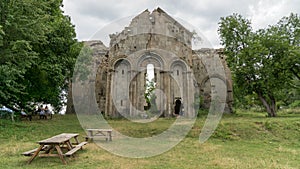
179, 72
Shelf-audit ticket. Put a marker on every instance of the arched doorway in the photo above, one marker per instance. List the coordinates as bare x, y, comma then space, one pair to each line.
178, 107
179, 86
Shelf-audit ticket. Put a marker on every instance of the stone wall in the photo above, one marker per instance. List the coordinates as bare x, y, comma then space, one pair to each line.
180, 72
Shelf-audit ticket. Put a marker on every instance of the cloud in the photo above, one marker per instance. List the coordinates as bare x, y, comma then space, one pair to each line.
89, 16
261, 18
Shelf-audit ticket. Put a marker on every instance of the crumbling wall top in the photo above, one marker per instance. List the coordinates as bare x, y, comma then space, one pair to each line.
157, 22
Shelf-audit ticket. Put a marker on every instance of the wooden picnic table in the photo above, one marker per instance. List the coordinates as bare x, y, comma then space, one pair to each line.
58, 143
92, 133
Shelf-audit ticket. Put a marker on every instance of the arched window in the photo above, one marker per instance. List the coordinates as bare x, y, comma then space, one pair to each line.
150, 72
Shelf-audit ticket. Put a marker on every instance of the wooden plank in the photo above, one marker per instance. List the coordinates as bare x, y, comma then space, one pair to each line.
81, 144
77, 147
99, 129
69, 145
92, 133
109, 136
60, 154
58, 139
48, 155
71, 152
35, 153
30, 152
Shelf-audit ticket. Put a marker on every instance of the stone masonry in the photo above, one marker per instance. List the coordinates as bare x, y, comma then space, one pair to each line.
179, 71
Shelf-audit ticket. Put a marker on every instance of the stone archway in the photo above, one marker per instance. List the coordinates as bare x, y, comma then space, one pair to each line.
137, 86
119, 88
180, 87
207, 89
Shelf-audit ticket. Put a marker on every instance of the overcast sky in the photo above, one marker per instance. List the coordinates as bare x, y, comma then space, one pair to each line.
90, 16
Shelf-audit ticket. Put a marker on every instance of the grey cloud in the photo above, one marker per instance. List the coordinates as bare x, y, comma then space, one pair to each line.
90, 15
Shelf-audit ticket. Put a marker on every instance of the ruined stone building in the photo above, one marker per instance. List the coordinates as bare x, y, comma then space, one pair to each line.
156, 41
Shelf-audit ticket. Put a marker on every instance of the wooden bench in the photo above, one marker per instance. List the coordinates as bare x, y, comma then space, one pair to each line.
77, 147
31, 152
54, 146
107, 133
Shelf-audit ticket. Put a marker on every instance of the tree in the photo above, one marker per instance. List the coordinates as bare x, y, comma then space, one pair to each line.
16, 52
38, 51
290, 28
261, 60
149, 93
1, 35
150, 97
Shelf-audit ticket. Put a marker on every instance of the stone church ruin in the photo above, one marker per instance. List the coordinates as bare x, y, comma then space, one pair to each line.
156, 48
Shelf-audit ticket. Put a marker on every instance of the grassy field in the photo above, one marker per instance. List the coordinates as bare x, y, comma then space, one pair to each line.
243, 140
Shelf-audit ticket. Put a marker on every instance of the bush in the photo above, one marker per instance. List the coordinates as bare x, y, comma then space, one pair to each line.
295, 104
4, 114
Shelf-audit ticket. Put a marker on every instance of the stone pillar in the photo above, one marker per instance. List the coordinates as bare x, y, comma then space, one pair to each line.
166, 89
109, 90
160, 97
189, 108
135, 94
168, 94
141, 92
132, 92
184, 89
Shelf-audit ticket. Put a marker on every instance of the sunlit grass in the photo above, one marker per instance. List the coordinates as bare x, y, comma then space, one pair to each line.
244, 140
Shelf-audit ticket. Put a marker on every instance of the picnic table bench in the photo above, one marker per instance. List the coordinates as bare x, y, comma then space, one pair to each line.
59, 143
92, 133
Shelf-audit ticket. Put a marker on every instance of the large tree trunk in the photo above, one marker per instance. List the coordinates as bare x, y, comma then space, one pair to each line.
70, 107
273, 105
270, 107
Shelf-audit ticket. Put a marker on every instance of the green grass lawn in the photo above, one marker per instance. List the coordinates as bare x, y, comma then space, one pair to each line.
243, 140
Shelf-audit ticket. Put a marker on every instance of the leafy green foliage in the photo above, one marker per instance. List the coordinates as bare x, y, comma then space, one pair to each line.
84, 65
1, 35
263, 62
150, 97
150, 87
38, 50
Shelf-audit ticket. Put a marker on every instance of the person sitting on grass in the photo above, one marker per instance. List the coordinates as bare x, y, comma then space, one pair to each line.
42, 113
23, 114
48, 112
